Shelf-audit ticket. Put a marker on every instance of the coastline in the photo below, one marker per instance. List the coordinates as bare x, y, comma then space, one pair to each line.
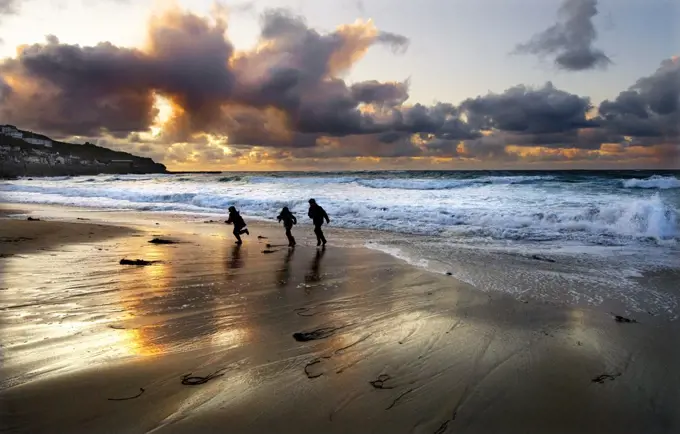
607, 239
406, 350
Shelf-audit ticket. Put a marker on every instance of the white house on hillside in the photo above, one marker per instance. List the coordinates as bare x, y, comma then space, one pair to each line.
40, 142
12, 131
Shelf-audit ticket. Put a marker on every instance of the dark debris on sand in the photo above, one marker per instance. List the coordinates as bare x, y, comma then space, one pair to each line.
14, 239
140, 262
379, 383
540, 258
600, 379
321, 333
141, 391
162, 241
398, 398
31, 219
623, 319
189, 380
312, 363
267, 251
304, 311
260, 237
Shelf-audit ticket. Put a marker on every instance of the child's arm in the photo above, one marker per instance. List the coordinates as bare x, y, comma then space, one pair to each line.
294, 220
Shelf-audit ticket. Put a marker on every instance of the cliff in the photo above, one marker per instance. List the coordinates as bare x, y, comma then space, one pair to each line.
20, 158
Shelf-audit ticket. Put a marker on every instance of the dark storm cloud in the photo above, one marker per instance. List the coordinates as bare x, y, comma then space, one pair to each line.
531, 111
570, 41
295, 71
284, 93
360, 146
87, 90
441, 120
373, 91
287, 96
650, 108
590, 138
487, 148
72, 90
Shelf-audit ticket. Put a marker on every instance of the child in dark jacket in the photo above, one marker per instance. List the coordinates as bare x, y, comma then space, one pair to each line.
288, 221
239, 224
318, 215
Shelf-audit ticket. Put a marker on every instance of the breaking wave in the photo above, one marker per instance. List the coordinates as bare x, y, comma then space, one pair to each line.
656, 181
456, 208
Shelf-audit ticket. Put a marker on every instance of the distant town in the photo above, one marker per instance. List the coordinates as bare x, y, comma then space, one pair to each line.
25, 153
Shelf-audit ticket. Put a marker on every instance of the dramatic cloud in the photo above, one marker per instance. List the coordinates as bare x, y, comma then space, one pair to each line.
89, 90
73, 90
370, 92
286, 99
532, 111
650, 108
570, 41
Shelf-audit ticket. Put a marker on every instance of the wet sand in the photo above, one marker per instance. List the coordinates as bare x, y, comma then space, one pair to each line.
383, 347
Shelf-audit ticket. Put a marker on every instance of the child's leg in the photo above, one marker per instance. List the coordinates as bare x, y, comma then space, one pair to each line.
237, 234
318, 233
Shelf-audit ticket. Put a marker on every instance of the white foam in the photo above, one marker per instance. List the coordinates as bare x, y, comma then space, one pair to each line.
498, 208
399, 254
656, 181
446, 184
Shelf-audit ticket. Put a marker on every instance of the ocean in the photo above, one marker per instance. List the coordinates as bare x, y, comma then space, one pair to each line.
606, 238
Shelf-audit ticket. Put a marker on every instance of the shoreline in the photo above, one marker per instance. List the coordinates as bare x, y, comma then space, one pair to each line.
582, 278
391, 348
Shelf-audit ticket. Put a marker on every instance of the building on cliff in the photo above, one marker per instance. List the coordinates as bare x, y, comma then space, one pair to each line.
34, 154
12, 131
32, 138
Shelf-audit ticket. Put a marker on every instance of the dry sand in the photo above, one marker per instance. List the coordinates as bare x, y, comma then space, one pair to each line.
398, 349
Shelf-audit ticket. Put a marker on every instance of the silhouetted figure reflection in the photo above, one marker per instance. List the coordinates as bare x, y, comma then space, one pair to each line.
236, 261
288, 221
313, 275
283, 276
239, 224
318, 215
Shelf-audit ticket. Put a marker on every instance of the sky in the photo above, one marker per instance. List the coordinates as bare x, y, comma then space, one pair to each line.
350, 84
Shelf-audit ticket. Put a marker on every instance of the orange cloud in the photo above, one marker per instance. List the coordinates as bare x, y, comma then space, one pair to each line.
356, 39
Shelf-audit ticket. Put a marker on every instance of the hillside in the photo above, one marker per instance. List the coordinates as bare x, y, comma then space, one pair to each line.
20, 158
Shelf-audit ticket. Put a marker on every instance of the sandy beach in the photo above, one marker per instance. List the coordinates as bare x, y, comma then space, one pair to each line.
297, 341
